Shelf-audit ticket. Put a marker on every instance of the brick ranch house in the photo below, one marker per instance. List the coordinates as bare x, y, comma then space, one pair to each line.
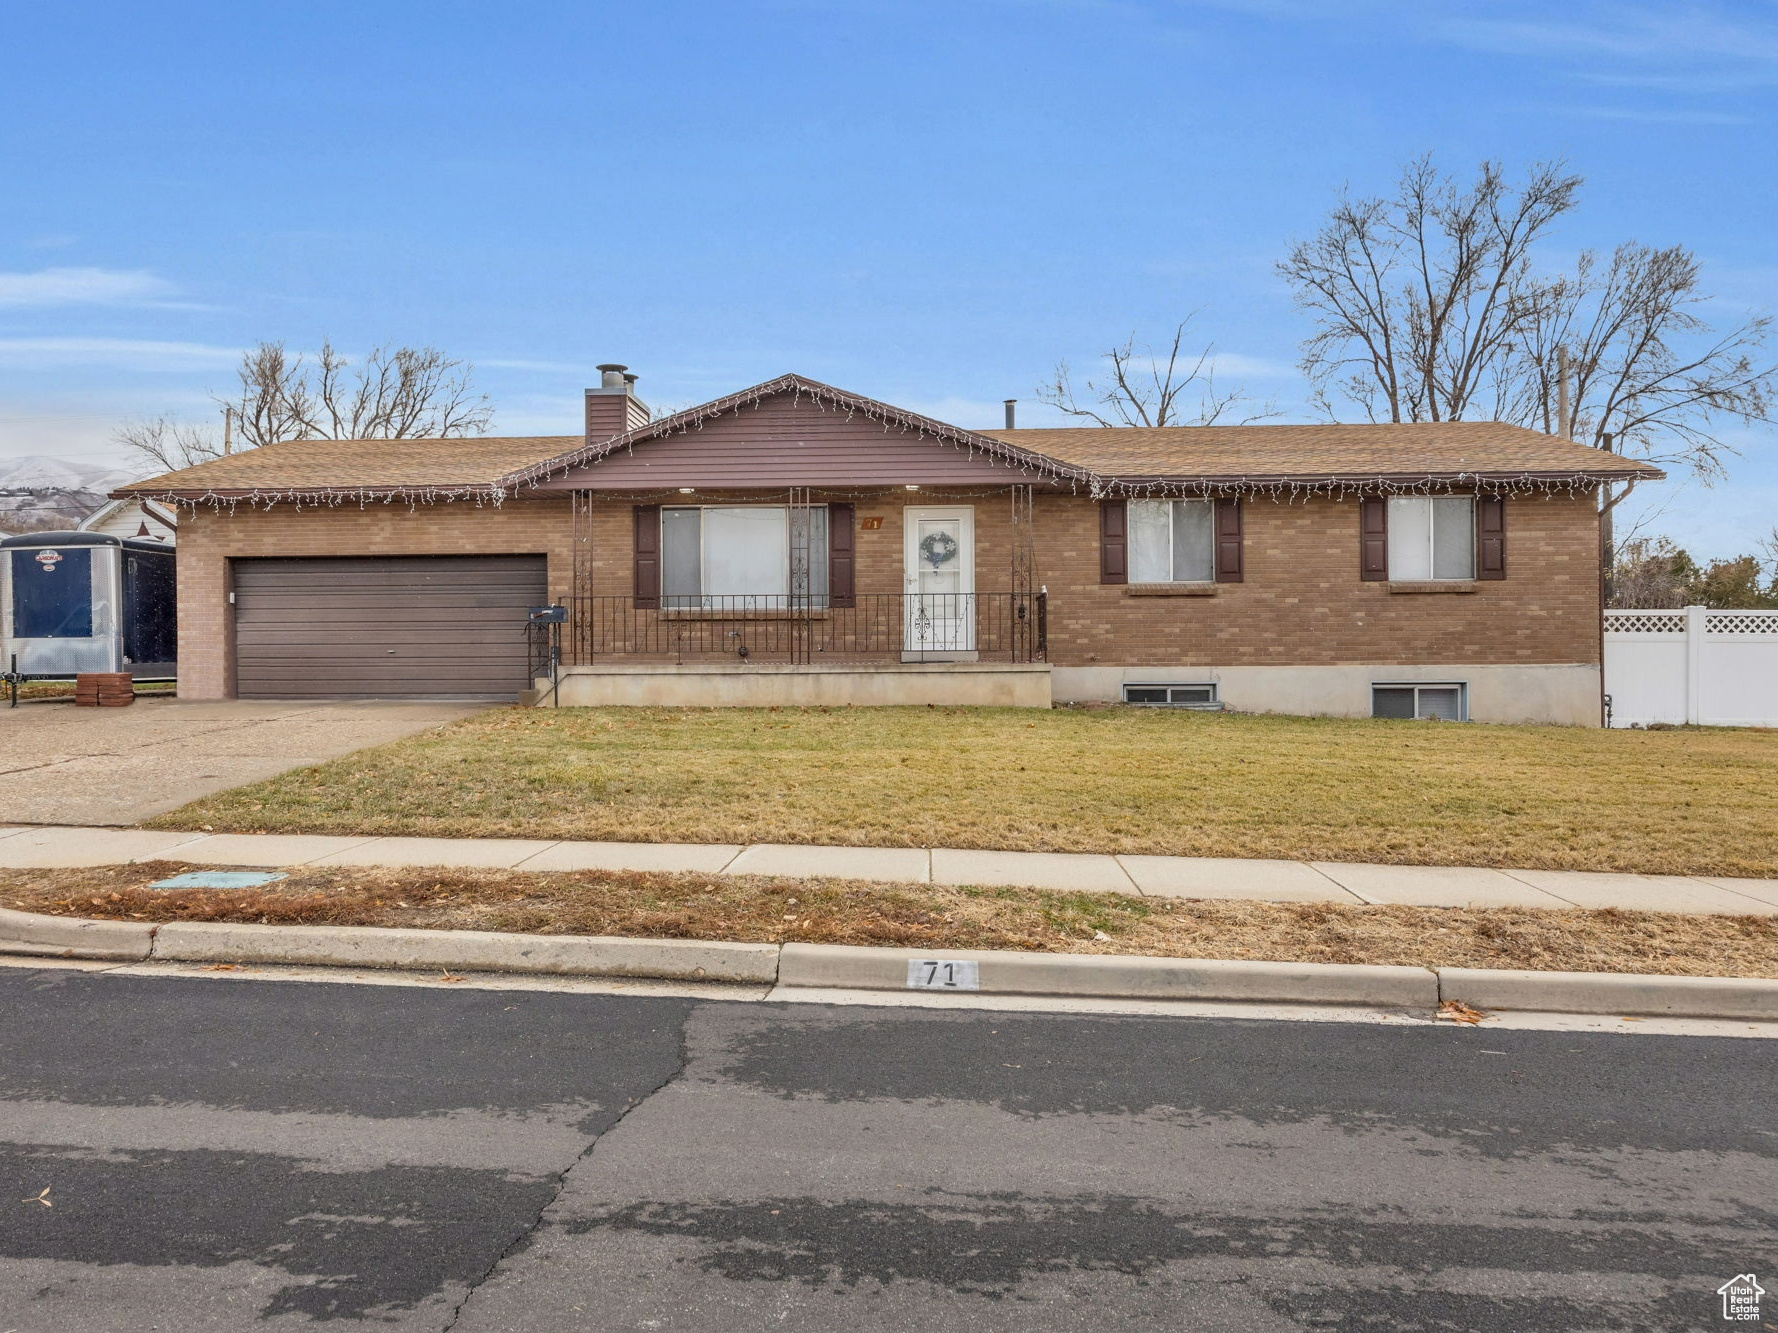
795, 543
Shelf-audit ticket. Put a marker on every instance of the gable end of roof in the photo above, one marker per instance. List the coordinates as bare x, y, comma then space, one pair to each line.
824, 395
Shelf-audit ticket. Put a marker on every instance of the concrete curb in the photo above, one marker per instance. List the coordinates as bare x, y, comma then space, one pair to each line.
1612, 993
845, 967
1113, 975
470, 950
73, 937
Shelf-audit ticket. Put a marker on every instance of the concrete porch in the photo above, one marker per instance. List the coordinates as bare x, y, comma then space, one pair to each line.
786, 685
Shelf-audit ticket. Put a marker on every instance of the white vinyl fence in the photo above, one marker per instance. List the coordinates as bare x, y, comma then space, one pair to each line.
1713, 668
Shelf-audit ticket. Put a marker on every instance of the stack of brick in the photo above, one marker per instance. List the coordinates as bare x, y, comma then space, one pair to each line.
104, 689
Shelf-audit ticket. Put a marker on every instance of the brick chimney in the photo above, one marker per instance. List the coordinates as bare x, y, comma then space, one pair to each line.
613, 408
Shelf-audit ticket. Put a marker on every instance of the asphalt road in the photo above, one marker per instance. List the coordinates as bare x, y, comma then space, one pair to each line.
226, 1155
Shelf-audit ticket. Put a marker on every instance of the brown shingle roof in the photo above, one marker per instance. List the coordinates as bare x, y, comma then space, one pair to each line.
369, 467
1437, 449
1231, 456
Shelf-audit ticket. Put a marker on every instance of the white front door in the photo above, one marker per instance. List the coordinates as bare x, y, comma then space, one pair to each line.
939, 558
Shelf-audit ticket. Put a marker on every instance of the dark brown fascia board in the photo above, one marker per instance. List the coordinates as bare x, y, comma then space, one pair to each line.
889, 415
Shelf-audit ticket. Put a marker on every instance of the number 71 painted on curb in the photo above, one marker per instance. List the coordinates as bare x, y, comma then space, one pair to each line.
944, 974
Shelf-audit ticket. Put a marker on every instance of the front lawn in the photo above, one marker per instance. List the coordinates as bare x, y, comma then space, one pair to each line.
1107, 780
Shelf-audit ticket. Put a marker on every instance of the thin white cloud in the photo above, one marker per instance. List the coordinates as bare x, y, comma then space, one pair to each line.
129, 353
1693, 48
84, 286
1227, 364
1654, 116
537, 367
1660, 33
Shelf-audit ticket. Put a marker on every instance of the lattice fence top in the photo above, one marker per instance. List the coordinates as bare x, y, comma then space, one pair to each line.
1741, 622
1763, 623
1645, 622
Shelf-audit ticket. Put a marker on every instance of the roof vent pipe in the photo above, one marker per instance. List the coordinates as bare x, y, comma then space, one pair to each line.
1009, 407
611, 376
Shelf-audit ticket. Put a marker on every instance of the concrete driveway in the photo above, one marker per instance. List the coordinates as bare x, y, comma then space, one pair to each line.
65, 765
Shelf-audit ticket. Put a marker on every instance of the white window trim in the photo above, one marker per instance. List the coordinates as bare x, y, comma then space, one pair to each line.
1432, 541
1130, 539
819, 597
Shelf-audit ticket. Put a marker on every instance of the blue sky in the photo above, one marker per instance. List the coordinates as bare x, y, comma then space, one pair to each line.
929, 203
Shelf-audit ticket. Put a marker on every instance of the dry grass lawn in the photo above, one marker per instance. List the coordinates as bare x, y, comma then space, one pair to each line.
735, 907
1107, 780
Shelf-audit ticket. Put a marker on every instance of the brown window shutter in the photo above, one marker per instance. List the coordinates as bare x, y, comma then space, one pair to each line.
842, 558
1114, 542
1373, 539
1228, 539
648, 557
1490, 537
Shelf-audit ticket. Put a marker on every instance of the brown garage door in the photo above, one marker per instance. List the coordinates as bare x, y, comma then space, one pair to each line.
370, 627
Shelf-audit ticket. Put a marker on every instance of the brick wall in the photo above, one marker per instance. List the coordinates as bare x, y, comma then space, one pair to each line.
1302, 602
879, 553
209, 539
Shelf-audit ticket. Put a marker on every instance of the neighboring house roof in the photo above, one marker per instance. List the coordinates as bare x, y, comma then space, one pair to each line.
132, 517
1093, 459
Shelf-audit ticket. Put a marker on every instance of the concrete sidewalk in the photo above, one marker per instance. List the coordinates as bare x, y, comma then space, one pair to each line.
1150, 876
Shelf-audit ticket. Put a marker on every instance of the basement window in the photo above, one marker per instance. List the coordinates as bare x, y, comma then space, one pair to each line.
1172, 696
1441, 703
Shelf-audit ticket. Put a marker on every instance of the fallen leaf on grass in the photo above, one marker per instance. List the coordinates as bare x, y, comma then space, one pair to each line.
1458, 1012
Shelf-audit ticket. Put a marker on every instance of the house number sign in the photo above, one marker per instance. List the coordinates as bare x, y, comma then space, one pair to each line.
944, 974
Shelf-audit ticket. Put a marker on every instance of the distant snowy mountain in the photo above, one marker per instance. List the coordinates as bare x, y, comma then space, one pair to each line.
37, 490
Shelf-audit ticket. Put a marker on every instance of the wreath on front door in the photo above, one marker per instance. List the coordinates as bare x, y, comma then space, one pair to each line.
938, 548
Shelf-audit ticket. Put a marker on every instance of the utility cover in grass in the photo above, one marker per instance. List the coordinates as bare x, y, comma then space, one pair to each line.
219, 879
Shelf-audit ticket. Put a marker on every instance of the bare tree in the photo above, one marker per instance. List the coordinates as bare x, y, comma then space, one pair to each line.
1428, 307
1622, 348
1651, 573
167, 445
392, 394
1144, 390
1417, 298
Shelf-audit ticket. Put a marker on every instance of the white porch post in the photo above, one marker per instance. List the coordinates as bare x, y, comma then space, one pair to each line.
1694, 664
